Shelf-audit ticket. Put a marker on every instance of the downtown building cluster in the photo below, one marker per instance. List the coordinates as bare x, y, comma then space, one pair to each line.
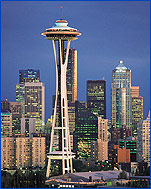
120, 142
22, 144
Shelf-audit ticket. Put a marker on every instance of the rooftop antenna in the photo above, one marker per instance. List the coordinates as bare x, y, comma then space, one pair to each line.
61, 12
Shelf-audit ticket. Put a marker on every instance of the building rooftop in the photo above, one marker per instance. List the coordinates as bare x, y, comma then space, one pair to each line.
84, 176
148, 117
121, 67
61, 25
99, 174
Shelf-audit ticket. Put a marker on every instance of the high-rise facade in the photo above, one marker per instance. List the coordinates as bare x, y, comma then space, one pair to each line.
28, 126
71, 80
23, 149
143, 140
38, 151
20, 95
17, 113
86, 130
31, 92
121, 96
7, 152
99, 148
6, 123
23, 152
136, 108
71, 115
96, 97
102, 139
35, 103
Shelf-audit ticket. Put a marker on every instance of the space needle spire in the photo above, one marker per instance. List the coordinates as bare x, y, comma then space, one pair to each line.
61, 36
61, 12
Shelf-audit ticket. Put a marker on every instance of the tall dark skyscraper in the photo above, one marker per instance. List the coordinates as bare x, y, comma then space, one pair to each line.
86, 130
96, 97
17, 113
71, 80
20, 95
29, 75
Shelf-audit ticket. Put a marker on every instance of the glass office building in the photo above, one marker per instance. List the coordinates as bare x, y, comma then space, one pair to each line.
86, 130
20, 95
137, 112
121, 96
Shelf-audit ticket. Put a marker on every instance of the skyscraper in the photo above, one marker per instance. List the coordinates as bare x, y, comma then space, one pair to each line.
71, 115
35, 103
62, 34
71, 75
96, 97
6, 123
136, 108
17, 113
121, 96
143, 140
38, 151
20, 95
31, 92
99, 148
86, 130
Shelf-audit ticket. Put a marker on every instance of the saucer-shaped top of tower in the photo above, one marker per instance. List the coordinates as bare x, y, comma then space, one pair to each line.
121, 67
62, 31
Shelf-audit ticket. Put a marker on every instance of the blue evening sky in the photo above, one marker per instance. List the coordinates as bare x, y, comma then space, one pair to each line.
112, 31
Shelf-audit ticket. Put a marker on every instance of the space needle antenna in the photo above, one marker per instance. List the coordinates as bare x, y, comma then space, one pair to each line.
61, 12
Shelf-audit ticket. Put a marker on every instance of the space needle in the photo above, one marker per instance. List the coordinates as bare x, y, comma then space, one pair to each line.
61, 36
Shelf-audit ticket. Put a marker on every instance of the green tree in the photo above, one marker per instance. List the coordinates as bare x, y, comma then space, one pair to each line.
6, 180
122, 175
78, 166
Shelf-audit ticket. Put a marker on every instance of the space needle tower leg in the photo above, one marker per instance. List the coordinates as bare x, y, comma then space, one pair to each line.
64, 109
65, 138
55, 111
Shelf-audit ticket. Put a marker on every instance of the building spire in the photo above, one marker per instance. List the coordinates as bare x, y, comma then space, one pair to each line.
148, 117
61, 12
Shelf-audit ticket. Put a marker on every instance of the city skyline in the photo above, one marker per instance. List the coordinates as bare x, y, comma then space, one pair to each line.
101, 138
121, 33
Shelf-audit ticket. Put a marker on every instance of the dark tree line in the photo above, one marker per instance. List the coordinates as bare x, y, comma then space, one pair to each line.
29, 179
